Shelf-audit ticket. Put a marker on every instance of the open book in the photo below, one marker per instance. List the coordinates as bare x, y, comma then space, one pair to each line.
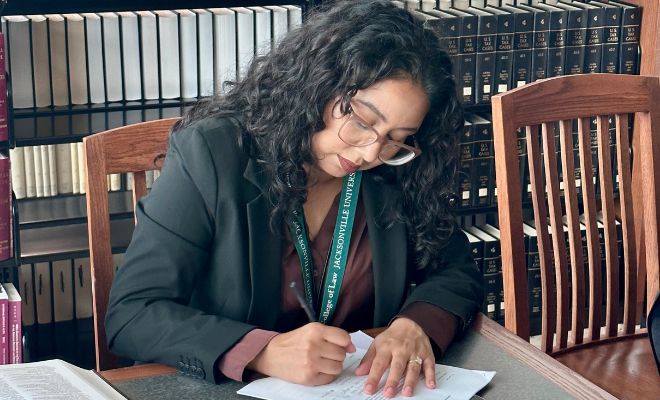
53, 379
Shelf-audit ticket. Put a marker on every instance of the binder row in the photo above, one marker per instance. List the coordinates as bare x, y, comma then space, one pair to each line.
72, 59
498, 45
485, 247
475, 185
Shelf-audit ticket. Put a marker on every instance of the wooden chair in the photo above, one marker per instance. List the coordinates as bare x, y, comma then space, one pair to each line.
611, 359
134, 148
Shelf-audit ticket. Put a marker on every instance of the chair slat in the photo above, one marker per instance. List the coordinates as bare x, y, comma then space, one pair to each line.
607, 200
590, 217
139, 189
548, 303
557, 228
627, 222
573, 223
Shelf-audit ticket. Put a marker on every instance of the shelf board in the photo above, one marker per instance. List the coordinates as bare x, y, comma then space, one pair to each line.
17, 7
69, 209
69, 241
39, 128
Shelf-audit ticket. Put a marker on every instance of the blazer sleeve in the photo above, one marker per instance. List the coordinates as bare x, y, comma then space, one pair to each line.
455, 285
148, 316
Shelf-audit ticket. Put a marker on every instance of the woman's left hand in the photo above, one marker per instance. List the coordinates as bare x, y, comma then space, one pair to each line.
399, 348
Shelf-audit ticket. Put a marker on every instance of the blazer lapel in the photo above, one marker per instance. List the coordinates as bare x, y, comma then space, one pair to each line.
265, 254
388, 248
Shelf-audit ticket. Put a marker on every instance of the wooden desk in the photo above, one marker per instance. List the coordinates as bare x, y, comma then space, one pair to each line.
523, 372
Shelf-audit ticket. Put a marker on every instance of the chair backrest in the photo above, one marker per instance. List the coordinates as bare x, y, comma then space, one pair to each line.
572, 103
133, 148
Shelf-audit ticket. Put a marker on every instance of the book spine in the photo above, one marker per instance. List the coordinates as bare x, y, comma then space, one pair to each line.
447, 30
522, 49
575, 41
464, 180
504, 53
556, 44
629, 49
467, 59
611, 39
485, 64
14, 327
540, 51
4, 332
4, 130
5, 209
483, 164
593, 52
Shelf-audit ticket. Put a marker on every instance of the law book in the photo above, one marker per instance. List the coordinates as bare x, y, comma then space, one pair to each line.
464, 174
16, 156
45, 172
40, 60
482, 161
112, 56
14, 324
169, 57
4, 326
467, 53
533, 270
75, 175
28, 311
279, 23
593, 50
244, 40
611, 36
224, 50
576, 33
541, 38
63, 310
63, 161
148, 54
94, 51
38, 171
52, 170
58, 60
20, 60
76, 58
130, 55
503, 49
188, 53
262, 30
44, 308
446, 26
523, 40
30, 177
556, 39
4, 129
491, 270
631, 17
294, 16
485, 59
490, 281
83, 310
63, 380
205, 51
81, 167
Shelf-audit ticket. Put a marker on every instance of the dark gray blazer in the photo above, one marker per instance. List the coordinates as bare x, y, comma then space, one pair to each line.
203, 267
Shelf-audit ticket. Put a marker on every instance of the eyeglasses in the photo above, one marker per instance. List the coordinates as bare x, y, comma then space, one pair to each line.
356, 132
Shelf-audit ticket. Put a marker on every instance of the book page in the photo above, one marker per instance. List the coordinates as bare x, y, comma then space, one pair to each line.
452, 383
54, 379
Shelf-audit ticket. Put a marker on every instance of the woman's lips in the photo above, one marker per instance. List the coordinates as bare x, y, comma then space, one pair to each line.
347, 166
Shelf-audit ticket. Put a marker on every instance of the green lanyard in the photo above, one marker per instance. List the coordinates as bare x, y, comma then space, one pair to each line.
341, 240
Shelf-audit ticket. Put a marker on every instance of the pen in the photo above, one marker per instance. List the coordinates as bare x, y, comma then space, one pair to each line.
301, 300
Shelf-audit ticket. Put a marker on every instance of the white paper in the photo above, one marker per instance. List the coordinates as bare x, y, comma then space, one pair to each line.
53, 379
452, 383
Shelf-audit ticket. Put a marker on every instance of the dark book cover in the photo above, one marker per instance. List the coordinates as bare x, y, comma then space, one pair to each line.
4, 130
521, 146
503, 50
631, 19
5, 208
483, 160
495, 232
464, 173
556, 39
485, 65
533, 271
576, 32
593, 48
541, 37
445, 25
491, 270
467, 56
523, 40
611, 36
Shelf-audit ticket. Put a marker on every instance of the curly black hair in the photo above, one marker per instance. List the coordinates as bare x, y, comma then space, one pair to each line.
335, 52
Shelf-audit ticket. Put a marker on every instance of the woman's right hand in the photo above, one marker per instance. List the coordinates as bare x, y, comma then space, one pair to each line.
310, 355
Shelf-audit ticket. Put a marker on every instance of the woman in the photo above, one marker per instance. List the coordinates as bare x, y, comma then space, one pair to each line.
331, 158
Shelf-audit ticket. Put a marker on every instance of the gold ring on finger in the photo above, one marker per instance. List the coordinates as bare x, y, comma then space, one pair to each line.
416, 360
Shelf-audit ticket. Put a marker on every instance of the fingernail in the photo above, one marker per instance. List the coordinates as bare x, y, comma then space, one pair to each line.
407, 391
389, 392
369, 388
431, 384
